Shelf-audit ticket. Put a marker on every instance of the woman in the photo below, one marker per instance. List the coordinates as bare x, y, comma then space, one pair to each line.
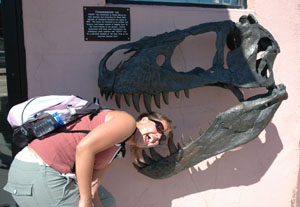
41, 174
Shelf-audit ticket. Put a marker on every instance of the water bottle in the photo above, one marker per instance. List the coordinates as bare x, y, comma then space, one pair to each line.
62, 119
51, 122
44, 126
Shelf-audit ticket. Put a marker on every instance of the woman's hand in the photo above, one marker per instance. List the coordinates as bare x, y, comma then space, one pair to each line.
86, 203
97, 201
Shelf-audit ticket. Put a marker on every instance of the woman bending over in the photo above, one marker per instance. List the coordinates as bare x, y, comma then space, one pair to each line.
43, 174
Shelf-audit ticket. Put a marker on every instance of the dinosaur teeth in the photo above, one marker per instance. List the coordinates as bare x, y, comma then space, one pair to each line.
107, 94
186, 93
138, 168
165, 95
172, 147
141, 164
127, 99
118, 98
147, 159
183, 142
155, 155
136, 101
200, 132
179, 146
157, 100
147, 102
111, 95
136, 98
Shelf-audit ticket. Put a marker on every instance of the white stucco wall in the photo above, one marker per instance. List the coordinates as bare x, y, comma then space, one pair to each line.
261, 173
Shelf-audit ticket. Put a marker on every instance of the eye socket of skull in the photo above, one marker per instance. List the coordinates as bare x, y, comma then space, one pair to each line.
233, 40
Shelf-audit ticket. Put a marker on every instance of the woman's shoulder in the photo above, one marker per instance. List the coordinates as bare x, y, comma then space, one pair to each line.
120, 115
122, 122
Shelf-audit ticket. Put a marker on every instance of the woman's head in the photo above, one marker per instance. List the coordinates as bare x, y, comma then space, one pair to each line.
154, 129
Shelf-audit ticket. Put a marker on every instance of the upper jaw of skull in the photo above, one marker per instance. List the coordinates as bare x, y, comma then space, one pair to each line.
252, 51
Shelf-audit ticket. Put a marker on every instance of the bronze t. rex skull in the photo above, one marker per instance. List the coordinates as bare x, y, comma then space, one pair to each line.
250, 62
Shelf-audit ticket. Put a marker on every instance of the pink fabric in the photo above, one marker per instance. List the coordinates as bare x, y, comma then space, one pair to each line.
58, 150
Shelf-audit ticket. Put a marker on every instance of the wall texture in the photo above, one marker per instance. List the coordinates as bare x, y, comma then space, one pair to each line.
262, 173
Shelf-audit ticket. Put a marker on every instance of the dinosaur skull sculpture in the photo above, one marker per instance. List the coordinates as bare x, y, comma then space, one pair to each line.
141, 74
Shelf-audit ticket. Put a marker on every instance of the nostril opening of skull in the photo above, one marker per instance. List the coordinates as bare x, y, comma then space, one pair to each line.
266, 72
264, 43
160, 59
262, 68
260, 55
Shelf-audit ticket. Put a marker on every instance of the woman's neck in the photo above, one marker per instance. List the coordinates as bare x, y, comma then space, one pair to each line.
132, 140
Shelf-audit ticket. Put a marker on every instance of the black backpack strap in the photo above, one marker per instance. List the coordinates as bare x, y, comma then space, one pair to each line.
123, 148
72, 131
95, 112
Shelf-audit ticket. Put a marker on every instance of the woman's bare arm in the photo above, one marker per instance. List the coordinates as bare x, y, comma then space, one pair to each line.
118, 127
96, 182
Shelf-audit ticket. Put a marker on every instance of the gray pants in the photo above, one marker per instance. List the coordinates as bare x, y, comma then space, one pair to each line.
34, 185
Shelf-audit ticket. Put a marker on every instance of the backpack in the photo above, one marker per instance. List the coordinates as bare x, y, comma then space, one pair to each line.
43, 115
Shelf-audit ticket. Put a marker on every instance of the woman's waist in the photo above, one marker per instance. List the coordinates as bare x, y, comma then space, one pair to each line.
27, 154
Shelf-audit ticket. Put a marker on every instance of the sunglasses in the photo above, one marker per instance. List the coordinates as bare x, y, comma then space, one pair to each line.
160, 129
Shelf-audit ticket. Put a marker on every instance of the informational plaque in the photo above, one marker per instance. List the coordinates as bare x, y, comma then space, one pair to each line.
106, 24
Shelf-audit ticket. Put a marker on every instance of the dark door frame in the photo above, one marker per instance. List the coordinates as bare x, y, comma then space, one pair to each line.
14, 51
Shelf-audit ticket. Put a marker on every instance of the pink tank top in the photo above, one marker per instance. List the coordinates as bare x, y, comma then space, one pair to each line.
58, 150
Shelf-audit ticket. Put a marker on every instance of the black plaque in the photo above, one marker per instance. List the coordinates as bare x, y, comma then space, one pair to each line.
106, 24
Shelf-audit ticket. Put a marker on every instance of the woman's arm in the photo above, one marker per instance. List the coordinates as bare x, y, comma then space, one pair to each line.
96, 182
118, 127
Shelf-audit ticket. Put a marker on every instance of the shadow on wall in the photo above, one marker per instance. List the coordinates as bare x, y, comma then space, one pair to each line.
246, 167
242, 167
